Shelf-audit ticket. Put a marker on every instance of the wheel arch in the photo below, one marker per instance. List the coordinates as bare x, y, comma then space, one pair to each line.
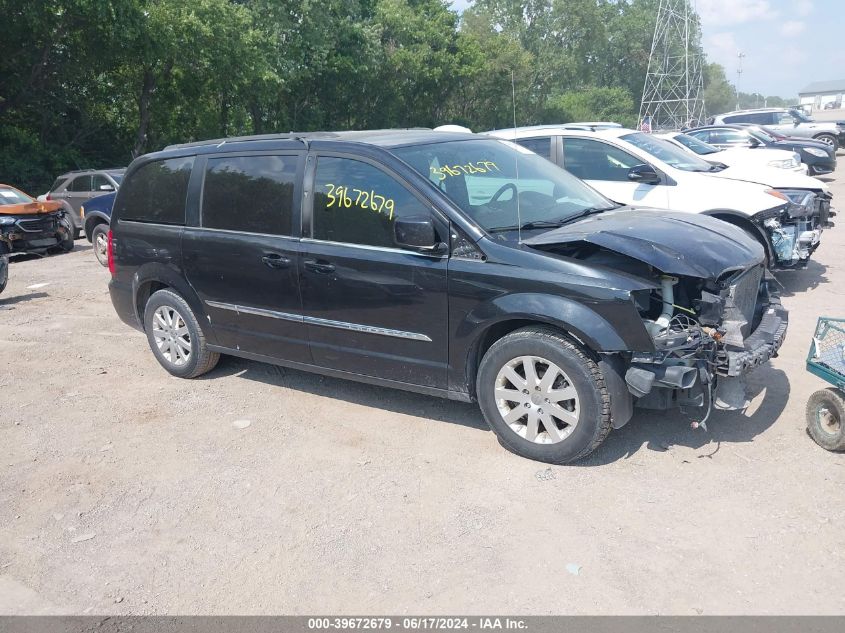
594, 334
154, 277
91, 221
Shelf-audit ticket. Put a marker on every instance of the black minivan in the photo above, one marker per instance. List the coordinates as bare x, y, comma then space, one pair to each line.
445, 263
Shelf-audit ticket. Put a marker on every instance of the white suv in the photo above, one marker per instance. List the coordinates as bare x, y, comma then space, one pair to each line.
639, 169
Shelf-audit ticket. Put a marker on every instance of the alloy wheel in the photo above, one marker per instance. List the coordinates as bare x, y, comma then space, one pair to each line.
101, 245
537, 400
171, 335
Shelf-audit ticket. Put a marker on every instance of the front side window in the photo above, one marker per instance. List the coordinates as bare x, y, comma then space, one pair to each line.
594, 160
99, 181
358, 203
785, 118
541, 146
249, 193
501, 185
156, 192
666, 152
80, 183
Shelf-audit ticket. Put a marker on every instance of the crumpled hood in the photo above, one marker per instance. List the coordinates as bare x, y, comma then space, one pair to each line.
675, 243
30, 208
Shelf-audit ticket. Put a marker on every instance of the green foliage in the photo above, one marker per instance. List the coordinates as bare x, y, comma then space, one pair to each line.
593, 104
93, 83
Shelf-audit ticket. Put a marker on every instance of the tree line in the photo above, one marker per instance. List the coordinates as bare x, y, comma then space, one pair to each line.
94, 83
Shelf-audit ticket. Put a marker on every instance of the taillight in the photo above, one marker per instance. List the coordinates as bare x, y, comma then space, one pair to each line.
110, 253
48, 197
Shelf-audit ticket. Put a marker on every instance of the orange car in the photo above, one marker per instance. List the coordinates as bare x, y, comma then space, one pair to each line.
29, 226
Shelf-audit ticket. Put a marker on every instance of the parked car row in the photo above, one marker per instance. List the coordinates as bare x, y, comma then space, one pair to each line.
788, 122
819, 157
785, 212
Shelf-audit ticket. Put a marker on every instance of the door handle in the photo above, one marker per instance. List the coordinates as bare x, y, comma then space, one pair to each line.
319, 266
274, 260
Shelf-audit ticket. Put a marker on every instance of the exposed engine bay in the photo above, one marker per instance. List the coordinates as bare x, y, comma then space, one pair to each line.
707, 333
794, 230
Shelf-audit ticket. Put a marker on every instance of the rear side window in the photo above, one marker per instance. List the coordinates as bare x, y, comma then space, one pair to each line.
249, 193
80, 183
541, 146
593, 160
156, 192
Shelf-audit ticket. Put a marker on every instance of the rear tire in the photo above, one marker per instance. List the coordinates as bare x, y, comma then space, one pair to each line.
826, 419
175, 337
565, 414
100, 240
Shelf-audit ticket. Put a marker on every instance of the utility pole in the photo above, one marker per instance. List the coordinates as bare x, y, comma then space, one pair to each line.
738, 77
673, 94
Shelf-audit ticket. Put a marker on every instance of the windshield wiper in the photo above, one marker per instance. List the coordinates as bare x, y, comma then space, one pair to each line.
552, 224
527, 226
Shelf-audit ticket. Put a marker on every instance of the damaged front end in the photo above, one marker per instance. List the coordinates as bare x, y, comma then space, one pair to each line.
707, 335
707, 303
794, 229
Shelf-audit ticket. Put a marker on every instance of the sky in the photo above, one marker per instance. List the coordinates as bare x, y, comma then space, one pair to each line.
787, 43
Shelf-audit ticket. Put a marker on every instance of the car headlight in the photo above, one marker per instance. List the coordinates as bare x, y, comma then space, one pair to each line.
788, 163
801, 197
815, 151
5, 221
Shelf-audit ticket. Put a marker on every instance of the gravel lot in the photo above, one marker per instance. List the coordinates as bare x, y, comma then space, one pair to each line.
126, 491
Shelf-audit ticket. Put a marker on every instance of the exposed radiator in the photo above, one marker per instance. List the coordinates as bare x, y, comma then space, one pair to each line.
744, 292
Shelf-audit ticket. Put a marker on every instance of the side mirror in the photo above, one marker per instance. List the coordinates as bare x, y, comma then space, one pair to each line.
106, 187
644, 174
417, 233
753, 142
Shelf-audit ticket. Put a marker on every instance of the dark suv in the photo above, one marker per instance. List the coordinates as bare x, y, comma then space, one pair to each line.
444, 263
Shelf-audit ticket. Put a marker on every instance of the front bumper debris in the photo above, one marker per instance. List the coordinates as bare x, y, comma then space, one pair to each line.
704, 359
794, 230
757, 349
33, 233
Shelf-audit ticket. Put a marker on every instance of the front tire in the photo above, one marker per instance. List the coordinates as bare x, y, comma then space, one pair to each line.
175, 336
543, 396
828, 139
826, 419
100, 241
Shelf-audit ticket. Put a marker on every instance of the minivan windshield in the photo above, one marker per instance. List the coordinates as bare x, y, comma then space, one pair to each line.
503, 186
668, 153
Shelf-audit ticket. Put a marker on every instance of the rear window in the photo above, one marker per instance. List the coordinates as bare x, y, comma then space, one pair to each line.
56, 184
156, 192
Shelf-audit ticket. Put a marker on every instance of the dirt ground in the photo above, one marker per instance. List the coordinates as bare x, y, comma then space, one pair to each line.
126, 491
